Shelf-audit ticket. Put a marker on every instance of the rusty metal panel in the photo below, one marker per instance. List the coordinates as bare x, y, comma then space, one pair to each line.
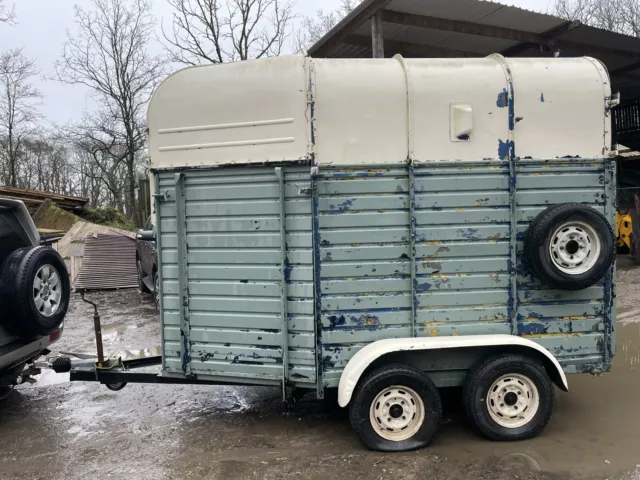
109, 263
234, 273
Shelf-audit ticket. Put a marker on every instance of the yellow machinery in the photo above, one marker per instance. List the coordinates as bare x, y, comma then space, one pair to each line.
624, 231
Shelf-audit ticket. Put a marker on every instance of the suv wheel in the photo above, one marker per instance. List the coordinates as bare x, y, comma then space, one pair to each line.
37, 290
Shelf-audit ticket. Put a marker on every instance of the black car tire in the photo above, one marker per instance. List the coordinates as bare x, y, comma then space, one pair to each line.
143, 288
550, 237
156, 290
35, 280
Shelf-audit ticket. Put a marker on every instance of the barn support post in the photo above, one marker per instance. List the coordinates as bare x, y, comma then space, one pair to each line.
377, 36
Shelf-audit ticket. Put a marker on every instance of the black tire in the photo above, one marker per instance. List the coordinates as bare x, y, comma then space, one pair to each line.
399, 376
331, 406
27, 315
541, 235
477, 396
141, 286
5, 393
7, 285
156, 290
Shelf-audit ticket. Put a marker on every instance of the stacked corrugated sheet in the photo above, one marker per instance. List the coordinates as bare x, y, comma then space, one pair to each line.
109, 263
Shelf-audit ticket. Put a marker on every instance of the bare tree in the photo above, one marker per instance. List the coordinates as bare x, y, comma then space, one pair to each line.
98, 140
109, 54
621, 16
205, 31
18, 109
7, 13
312, 29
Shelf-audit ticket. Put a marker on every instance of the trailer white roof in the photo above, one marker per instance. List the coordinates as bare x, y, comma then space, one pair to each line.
380, 111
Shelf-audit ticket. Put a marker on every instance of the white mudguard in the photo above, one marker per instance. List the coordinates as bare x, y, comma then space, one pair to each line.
361, 360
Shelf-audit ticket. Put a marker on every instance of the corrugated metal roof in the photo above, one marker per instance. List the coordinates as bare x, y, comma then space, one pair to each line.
616, 51
109, 263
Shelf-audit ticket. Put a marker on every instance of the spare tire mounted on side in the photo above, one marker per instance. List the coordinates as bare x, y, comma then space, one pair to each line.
570, 246
37, 290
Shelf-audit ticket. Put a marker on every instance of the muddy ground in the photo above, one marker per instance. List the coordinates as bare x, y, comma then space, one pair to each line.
57, 430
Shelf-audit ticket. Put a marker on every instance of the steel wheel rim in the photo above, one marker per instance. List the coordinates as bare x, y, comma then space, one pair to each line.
575, 248
513, 400
47, 291
397, 413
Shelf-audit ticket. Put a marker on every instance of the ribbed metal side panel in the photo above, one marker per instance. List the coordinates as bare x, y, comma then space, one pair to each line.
365, 265
234, 273
462, 249
571, 325
428, 250
465, 279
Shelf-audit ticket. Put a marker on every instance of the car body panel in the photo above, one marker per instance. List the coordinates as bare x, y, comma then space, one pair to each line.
17, 230
146, 254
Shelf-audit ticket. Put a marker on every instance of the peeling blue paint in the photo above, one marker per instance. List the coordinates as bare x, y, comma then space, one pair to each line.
503, 99
366, 319
530, 328
468, 233
504, 149
327, 362
337, 320
423, 287
186, 359
342, 207
287, 270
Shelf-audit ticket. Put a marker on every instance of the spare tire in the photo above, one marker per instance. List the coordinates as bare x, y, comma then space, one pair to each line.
570, 246
36, 291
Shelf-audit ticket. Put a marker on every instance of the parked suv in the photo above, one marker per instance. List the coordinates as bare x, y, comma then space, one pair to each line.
34, 296
146, 262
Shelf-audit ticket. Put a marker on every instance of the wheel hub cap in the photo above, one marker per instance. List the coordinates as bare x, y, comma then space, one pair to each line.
47, 291
513, 401
397, 413
575, 248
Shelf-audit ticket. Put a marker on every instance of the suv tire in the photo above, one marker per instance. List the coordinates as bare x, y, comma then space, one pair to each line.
36, 289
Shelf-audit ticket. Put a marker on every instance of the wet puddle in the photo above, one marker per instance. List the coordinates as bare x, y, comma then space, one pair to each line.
594, 431
115, 333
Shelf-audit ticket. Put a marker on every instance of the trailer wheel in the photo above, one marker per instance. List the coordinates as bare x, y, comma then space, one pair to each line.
115, 387
570, 246
396, 408
508, 397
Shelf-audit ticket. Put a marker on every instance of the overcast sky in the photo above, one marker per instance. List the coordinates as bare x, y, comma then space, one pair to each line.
41, 28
